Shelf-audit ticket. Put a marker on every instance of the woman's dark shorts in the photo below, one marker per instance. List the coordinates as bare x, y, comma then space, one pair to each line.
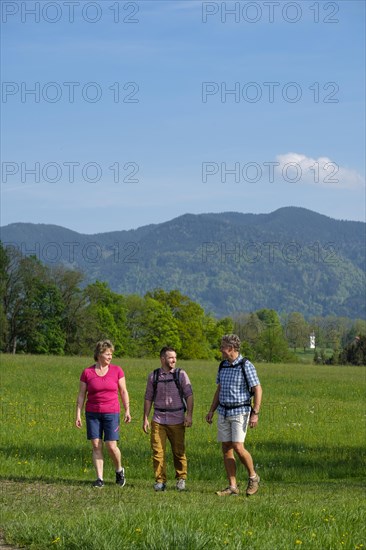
99, 424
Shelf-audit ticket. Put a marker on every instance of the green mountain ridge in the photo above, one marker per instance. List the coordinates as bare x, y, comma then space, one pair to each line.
292, 259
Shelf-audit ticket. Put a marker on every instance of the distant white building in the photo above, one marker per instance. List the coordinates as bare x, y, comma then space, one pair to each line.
312, 340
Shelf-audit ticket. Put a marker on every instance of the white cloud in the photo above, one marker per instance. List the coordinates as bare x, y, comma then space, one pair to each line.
298, 168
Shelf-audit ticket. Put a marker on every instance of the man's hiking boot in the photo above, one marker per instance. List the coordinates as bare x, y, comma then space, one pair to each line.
234, 491
181, 485
99, 483
120, 478
159, 486
253, 485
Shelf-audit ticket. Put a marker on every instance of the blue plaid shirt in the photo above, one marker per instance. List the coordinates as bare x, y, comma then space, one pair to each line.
233, 389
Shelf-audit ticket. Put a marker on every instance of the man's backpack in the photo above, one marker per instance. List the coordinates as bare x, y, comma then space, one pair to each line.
175, 378
242, 364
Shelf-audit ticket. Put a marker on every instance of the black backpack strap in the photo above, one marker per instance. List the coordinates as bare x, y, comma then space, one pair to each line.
176, 374
244, 360
155, 382
221, 365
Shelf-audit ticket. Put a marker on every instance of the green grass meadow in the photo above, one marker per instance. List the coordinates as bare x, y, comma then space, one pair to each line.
308, 449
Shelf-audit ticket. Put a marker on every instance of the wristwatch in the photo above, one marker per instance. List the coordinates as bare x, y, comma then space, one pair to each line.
254, 412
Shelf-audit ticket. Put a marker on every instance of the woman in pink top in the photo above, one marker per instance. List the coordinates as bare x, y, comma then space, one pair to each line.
100, 385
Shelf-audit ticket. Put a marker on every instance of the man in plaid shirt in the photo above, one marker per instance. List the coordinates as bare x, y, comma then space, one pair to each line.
170, 418
233, 400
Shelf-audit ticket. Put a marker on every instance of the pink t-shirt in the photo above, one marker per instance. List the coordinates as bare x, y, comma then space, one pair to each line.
102, 390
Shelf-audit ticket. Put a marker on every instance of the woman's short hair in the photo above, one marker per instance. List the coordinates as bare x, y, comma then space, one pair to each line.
231, 340
101, 346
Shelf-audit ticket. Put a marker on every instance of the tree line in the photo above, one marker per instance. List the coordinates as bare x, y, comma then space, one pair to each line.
48, 310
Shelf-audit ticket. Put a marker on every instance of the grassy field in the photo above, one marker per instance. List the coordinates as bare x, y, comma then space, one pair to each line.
308, 449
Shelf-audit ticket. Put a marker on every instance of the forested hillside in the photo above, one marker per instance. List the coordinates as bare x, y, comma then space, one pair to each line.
292, 259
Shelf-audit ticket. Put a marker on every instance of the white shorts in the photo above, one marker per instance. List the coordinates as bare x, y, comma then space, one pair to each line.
232, 428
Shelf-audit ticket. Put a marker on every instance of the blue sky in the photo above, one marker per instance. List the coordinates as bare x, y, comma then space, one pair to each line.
143, 111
